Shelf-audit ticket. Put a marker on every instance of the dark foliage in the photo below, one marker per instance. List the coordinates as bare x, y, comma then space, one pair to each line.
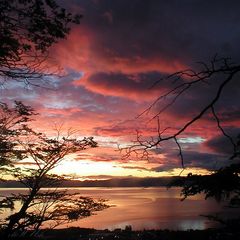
27, 29
222, 185
12, 124
86, 234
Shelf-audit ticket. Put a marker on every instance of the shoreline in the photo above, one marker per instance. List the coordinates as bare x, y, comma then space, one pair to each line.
77, 233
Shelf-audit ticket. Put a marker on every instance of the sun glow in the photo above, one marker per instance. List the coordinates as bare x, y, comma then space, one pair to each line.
86, 168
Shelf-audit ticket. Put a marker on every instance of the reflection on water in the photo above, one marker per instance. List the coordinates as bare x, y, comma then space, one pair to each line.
146, 208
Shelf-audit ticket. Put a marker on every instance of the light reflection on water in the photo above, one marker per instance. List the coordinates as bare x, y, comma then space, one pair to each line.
145, 208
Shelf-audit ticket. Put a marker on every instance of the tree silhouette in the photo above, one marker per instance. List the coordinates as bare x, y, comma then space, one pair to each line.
39, 205
12, 125
27, 29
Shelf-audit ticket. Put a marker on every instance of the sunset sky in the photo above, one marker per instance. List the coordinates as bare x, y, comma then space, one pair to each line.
111, 60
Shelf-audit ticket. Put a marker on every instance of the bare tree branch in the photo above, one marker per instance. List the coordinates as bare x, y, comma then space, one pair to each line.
188, 78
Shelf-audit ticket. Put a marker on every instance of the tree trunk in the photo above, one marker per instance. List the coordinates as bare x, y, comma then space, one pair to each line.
15, 218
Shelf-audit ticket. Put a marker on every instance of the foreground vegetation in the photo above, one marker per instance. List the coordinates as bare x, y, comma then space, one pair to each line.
127, 234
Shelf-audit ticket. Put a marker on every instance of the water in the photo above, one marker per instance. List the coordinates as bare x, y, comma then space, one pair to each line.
146, 208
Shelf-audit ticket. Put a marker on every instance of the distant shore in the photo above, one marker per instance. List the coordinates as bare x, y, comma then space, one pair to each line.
128, 234
113, 182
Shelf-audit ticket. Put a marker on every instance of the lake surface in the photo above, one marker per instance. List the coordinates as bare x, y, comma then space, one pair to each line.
147, 208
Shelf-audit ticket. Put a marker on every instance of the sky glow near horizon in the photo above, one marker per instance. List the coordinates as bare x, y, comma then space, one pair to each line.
111, 61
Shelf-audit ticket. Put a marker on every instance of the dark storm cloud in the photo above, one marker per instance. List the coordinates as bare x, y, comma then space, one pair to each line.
196, 98
186, 30
193, 159
139, 33
204, 160
127, 85
221, 144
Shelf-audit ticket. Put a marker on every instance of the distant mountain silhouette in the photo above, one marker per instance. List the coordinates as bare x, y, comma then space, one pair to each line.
114, 182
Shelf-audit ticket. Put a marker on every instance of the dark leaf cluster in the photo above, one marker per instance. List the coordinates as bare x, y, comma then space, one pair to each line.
224, 184
28, 28
13, 125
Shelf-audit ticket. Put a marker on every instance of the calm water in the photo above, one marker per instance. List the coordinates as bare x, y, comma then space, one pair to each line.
146, 208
